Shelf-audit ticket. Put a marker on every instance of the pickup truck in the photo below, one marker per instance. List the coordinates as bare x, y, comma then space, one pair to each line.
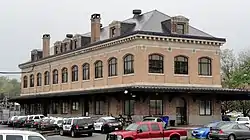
148, 131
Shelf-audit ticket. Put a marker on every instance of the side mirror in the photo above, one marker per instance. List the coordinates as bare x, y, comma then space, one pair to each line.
139, 131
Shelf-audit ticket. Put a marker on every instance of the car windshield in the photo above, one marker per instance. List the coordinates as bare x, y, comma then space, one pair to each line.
23, 118
59, 121
46, 120
83, 121
111, 120
226, 125
148, 119
132, 127
242, 119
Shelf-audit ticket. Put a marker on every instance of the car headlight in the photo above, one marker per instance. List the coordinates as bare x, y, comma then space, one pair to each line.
119, 137
120, 123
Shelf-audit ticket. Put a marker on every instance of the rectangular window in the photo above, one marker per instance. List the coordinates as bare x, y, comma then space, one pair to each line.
156, 107
14, 137
54, 108
65, 108
129, 106
205, 108
113, 32
75, 105
99, 107
180, 28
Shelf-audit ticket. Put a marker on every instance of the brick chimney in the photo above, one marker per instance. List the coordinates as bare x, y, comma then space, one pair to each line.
95, 27
46, 45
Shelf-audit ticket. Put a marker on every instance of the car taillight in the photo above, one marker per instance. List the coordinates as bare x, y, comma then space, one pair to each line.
221, 132
77, 127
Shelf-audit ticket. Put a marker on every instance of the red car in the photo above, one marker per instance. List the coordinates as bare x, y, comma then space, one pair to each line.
148, 130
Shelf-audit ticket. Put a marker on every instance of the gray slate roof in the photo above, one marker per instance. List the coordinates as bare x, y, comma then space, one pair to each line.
150, 22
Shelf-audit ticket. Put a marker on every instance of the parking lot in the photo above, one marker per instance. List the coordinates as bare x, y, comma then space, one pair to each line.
96, 136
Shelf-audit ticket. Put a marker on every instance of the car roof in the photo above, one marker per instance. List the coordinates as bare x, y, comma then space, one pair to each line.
108, 118
146, 122
19, 132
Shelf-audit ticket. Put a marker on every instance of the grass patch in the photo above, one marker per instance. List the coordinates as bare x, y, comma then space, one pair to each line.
193, 139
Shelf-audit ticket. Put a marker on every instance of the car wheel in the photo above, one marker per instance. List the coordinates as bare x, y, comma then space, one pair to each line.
90, 134
231, 137
103, 131
208, 136
73, 133
61, 132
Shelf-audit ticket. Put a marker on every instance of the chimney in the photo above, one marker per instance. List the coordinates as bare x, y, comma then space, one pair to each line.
95, 27
46, 45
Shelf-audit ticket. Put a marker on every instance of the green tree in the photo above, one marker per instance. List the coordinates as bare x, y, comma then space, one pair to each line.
236, 74
9, 87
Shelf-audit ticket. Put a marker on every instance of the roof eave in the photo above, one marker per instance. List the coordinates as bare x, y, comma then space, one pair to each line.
222, 40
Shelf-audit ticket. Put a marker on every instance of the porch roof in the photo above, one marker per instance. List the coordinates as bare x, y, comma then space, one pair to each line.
141, 88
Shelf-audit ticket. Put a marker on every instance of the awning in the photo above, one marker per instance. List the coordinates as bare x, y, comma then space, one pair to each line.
142, 88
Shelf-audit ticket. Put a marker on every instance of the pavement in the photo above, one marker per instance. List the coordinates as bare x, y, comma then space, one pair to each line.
96, 136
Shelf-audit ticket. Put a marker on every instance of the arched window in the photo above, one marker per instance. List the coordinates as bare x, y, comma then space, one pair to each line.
25, 82
128, 61
31, 80
46, 78
112, 70
205, 66
64, 75
180, 65
85, 71
98, 69
55, 76
39, 79
74, 70
155, 63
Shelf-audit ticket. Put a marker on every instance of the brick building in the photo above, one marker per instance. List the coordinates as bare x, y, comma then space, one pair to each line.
150, 64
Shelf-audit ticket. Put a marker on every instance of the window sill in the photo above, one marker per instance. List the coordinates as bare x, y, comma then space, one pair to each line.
46, 85
131, 74
97, 79
160, 74
65, 83
181, 75
55, 84
206, 115
111, 77
205, 76
73, 82
86, 80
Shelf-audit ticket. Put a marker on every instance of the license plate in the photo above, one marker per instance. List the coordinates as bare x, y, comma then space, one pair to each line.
85, 127
116, 128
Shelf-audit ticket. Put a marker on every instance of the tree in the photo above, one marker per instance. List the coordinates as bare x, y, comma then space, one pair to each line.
9, 87
236, 74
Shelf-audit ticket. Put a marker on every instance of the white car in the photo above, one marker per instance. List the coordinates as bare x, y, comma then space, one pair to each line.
243, 120
107, 124
20, 135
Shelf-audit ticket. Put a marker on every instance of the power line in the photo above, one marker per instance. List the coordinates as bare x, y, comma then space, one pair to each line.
16, 72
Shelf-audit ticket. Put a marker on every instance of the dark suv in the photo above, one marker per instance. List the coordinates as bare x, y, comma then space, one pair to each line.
77, 126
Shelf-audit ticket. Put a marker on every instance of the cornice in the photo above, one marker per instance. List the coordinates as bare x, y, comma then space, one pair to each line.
126, 39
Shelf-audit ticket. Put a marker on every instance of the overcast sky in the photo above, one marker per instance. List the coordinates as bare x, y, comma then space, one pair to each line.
23, 22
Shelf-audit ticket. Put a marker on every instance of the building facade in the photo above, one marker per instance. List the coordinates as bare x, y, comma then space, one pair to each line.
150, 64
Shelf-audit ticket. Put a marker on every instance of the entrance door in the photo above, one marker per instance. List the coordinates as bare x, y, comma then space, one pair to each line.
86, 107
181, 112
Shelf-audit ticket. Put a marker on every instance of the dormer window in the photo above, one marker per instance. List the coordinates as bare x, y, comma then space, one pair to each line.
113, 31
75, 42
56, 50
180, 29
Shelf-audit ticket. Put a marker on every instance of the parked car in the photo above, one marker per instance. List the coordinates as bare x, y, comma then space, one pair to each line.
230, 131
243, 120
77, 126
107, 124
47, 124
203, 132
148, 130
11, 120
20, 135
20, 121
35, 123
4, 122
31, 120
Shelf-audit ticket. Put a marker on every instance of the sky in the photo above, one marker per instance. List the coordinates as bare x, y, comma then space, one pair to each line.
23, 22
